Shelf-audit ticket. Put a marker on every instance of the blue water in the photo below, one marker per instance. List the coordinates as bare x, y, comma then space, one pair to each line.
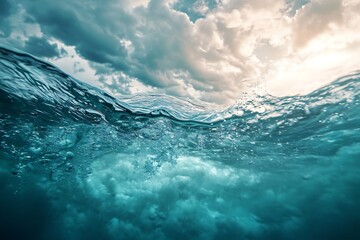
77, 163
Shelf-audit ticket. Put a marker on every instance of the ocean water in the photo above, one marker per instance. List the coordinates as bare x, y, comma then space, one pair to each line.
77, 163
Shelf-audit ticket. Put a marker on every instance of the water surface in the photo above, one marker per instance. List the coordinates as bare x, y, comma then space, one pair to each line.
78, 163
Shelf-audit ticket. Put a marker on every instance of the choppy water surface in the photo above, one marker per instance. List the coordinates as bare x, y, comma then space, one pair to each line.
77, 163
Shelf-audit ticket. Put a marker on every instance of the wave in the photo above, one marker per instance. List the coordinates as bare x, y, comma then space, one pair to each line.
159, 167
33, 92
42, 88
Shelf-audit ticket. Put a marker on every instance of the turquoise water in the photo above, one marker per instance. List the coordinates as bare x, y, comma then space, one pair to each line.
77, 163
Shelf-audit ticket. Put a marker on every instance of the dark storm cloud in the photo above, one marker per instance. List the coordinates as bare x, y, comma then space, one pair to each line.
4, 8
41, 47
80, 26
5, 12
97, 30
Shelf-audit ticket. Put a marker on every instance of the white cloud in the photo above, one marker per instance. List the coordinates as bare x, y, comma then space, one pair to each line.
323, 47
76, 66
294, 46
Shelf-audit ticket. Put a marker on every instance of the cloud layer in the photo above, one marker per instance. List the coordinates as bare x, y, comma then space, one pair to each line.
203, 49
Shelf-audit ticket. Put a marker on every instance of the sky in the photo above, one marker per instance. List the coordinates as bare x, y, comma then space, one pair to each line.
208, 50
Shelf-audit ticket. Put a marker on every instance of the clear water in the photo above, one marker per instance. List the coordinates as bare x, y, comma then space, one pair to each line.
77, 163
